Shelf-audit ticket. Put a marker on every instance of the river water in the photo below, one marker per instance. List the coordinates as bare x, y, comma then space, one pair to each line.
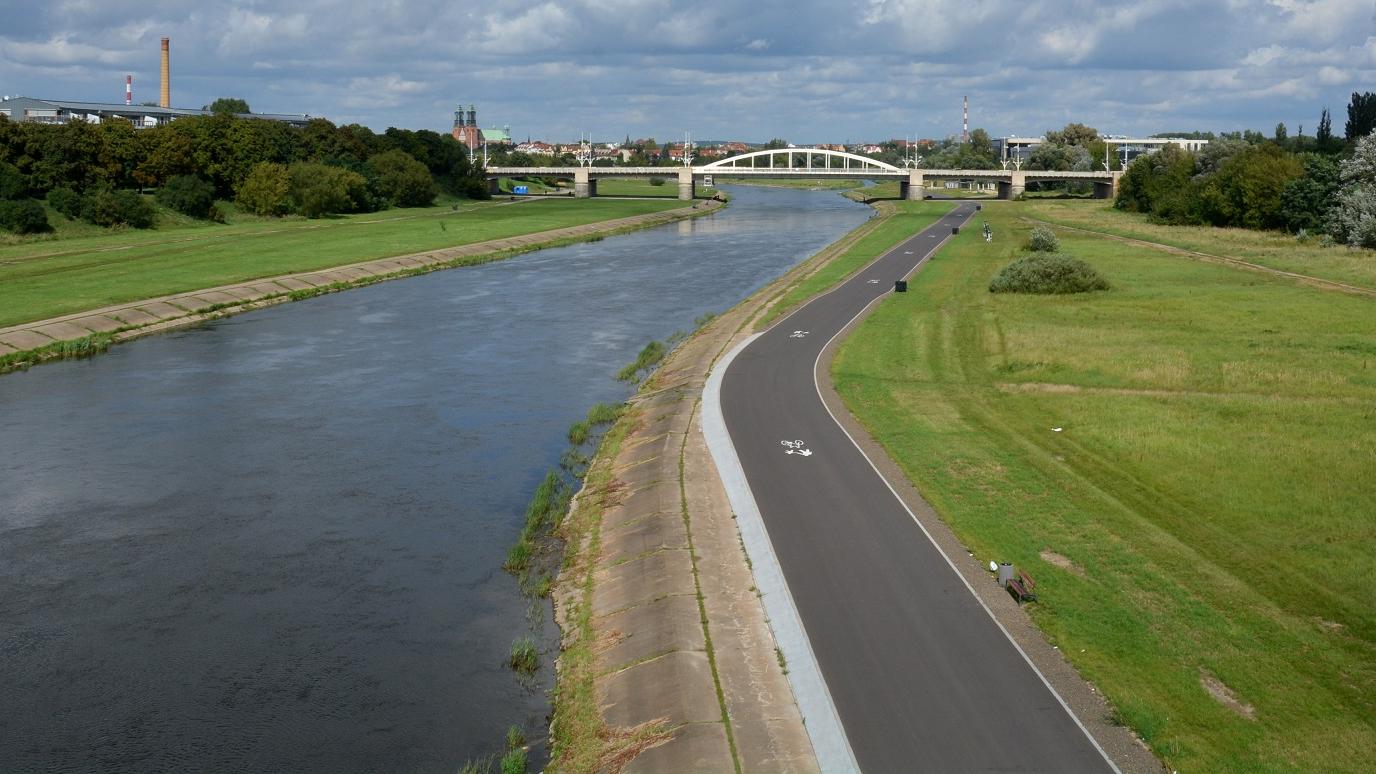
273, 542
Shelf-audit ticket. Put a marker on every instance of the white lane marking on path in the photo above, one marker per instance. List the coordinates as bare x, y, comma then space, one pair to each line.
816, 366
874, 282
815, 704
798, 334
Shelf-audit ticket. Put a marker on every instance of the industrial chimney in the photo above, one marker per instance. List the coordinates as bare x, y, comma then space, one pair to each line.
965, 120
128, 89
165, 98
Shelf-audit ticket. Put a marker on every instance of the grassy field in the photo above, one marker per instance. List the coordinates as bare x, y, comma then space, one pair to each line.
1267, 248
41, 279
1201, 527
641, 186
907, 218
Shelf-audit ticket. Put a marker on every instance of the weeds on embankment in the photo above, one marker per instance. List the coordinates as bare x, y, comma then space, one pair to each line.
85, 346
536, 555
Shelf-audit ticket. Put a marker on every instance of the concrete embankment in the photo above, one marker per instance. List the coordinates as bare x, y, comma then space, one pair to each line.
33, 342
663, 625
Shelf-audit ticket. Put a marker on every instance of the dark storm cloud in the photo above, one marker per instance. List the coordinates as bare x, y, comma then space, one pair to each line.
807, 71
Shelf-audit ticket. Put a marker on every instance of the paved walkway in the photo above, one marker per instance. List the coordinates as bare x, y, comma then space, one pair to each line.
139, 318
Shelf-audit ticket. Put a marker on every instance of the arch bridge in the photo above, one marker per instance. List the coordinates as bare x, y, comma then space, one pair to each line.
810, 164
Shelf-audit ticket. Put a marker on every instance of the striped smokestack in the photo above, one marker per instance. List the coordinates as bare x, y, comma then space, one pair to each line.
965, 120
165, 99
128, 89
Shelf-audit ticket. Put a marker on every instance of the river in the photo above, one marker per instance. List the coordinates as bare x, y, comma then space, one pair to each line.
273, 542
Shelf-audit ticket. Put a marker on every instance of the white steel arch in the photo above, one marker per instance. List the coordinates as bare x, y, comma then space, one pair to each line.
848, 160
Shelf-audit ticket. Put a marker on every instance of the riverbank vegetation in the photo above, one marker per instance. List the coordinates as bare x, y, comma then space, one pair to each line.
98, 172
1182, 462
1322, 188
43, 279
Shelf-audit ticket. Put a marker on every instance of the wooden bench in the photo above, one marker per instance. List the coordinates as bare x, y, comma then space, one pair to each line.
1021, 588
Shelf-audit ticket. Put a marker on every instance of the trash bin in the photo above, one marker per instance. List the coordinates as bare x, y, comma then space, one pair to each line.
1005, 573
955, 229
900, 286
979, 207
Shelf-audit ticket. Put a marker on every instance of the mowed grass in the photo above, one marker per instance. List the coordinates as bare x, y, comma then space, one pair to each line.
1212, 485
43, 279
1273, 249
641, 186
907, 218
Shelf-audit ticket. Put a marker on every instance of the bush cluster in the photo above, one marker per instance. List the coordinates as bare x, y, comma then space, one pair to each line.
1047, 273
1043, 240
105, 207
189, 195
23, 216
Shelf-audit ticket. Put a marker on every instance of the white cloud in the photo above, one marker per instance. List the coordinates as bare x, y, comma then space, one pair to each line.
851, 69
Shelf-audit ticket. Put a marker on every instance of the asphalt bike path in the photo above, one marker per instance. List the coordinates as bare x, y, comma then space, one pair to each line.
921, 675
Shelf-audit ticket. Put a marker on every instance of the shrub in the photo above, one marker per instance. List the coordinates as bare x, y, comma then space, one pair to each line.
265, 191
12, 184
1043, 240
319, 189
24, 216
188, 195
105, 207
403, 180
65, 201
1047, 273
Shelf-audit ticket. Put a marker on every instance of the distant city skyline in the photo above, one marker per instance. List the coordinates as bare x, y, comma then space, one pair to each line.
865, 70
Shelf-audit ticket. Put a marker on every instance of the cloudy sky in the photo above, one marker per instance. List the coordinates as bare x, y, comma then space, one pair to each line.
845, 70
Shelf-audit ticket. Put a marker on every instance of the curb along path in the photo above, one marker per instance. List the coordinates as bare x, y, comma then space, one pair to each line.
682, 642
139, 318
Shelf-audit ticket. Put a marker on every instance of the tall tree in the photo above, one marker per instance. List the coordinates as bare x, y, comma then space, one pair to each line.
1323, 137
1072, 134
228, 105
1281, 133
1361, 115
1353, 218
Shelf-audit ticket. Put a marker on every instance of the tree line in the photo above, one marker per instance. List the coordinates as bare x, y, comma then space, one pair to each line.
99, 171
1304, 185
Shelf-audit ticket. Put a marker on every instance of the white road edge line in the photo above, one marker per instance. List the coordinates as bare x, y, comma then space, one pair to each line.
816, 366
823, 724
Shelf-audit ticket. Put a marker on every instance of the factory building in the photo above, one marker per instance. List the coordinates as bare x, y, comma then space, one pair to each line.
1128, 148
61, 111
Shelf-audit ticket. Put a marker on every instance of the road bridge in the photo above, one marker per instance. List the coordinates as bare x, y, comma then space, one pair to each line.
812, 164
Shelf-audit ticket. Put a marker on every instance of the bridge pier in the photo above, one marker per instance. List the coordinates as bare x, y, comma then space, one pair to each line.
493, 186
686, 187
1014, 186
1109, 189
584, 187
912, 189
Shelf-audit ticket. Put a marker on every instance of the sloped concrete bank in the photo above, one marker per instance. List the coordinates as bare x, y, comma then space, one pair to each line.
87, 332
665, 639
